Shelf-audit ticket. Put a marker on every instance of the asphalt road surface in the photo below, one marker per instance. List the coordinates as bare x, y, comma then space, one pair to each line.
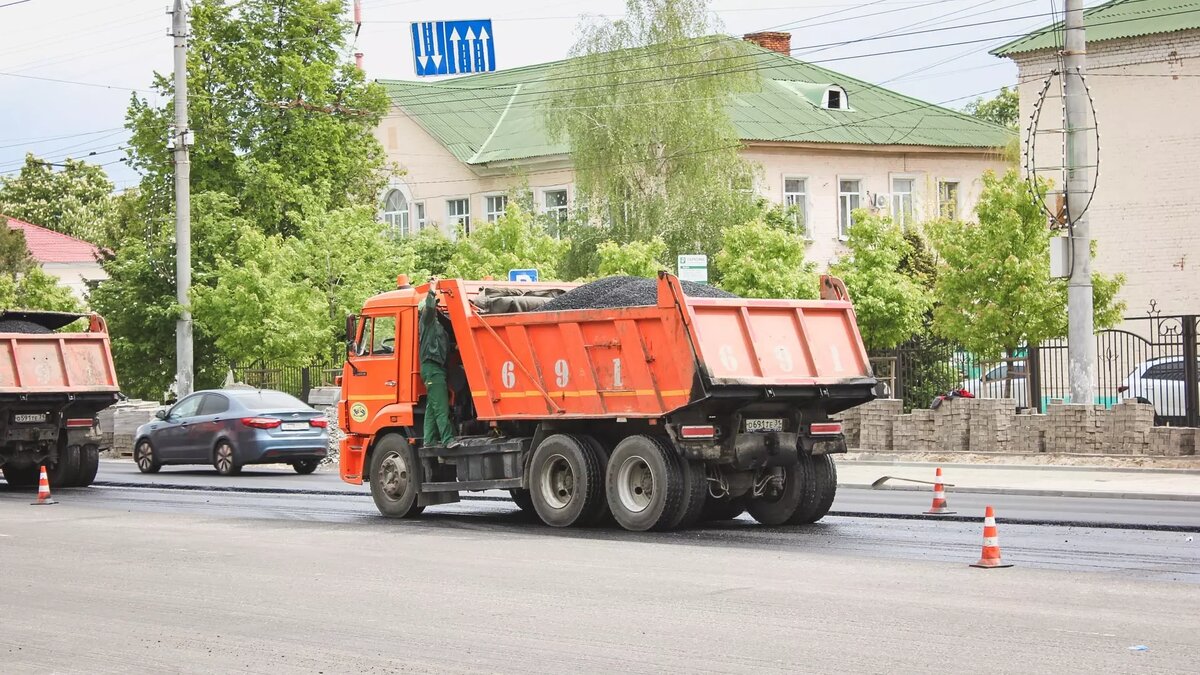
122, 579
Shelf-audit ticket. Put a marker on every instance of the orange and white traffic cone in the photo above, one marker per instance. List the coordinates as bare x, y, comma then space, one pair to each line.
990, 559
44, 490
940, 507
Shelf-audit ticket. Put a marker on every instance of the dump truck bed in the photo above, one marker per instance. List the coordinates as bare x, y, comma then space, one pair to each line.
55, 363
645, 362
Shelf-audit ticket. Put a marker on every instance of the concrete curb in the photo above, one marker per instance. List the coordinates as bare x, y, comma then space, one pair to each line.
1025, 492
1017, 467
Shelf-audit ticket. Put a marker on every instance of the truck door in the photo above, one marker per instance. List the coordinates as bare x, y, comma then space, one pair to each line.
374, 380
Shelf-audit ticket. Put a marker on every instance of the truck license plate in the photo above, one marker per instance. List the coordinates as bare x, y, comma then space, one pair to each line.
295, 426
30, 418
764, 425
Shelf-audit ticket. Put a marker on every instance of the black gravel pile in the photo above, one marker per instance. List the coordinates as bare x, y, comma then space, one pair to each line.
17, 326
623, 292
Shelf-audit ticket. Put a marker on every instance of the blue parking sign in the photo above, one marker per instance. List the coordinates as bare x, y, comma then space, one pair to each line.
525, 276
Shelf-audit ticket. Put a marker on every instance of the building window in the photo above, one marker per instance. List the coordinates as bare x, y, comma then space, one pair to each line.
494, 206
555, 202
458, 212
948, 199
837, 99
795, 198
902, 201
849, 198
395, 212
419, 208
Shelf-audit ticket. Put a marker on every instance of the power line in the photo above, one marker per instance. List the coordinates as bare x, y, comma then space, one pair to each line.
75, 82
46, 139
10, 4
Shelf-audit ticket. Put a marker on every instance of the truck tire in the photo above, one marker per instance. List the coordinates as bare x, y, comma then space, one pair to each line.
566, 481
21, 476
66, 471
780, 507
146, 458
823, 476
603, 514
725, 508
89, 465
395, 477
225, 459
521, 498
644, 484
695, 492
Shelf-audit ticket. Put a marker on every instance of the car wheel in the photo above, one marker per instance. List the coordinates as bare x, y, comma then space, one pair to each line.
225, 460
395, 477
21, 476
306, 466
146, 459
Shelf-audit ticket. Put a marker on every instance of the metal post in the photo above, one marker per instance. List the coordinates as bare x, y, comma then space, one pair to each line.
1033, 377
1080, 323
183, 224
1191, 401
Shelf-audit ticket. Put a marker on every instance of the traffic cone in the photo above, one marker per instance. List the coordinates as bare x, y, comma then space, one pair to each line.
990, 558
44, 490
940, 507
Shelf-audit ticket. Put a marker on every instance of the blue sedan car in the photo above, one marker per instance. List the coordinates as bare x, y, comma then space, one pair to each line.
229, 428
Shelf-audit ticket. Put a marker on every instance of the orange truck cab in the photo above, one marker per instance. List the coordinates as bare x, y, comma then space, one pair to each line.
691, 408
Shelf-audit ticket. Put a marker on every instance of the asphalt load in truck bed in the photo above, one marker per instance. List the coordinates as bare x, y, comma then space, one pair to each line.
623, 292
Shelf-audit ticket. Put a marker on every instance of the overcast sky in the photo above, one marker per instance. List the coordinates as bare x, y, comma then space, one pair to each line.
113, 47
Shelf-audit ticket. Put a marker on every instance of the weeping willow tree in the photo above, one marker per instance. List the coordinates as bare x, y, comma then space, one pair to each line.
643, 105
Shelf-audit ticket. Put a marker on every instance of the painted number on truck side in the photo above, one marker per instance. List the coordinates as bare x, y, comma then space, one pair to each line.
562, 373
727, 358
785, 359
507, 377
617, 374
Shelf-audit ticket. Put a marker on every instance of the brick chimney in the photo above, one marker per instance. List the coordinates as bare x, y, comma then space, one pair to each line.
775, 41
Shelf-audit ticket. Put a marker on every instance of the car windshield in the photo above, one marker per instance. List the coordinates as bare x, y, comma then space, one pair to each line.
269, 400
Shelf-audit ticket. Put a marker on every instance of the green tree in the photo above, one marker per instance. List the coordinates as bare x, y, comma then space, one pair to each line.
636, 258
890, 305
661, 158
14, 253
514, 241
426, 254
77, 200
761, 261
993, 291
1004, 109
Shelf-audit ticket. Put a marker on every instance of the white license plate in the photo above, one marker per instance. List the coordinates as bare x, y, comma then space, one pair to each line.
29, 419
294, 426
764, 425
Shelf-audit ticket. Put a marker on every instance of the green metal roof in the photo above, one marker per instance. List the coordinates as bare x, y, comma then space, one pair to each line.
494, 117
1115, 20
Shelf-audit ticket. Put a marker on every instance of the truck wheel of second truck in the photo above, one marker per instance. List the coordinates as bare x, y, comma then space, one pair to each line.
395, 477
644, 484
566, 481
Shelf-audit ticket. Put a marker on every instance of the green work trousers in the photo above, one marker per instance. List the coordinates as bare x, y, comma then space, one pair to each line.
438, 430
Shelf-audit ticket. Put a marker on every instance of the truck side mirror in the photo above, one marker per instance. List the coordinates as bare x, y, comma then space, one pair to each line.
351, 334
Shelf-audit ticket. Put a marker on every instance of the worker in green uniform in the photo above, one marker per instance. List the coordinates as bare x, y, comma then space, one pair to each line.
434, 345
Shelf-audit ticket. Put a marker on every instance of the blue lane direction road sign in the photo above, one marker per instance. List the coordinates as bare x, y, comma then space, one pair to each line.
523, 275
453, 47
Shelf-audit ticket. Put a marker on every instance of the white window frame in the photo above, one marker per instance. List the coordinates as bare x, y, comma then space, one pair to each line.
397, 221
454, 220
488, 214
912, 197
958, 200
843, 98
564, 210
419, 215
803, 203
844, 208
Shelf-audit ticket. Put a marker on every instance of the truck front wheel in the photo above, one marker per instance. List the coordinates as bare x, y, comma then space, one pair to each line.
566, 481
644, 484
395, 477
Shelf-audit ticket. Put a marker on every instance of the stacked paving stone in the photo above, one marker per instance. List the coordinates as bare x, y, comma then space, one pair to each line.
1171, 441
1028, 433
1125, 430
876, 420
1073, 429
991, 422
119, 422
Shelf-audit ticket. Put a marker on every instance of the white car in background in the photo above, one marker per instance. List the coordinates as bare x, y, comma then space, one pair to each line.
991, 384
1161, 383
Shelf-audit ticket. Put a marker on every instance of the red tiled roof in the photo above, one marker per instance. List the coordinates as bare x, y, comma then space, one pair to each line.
48, 246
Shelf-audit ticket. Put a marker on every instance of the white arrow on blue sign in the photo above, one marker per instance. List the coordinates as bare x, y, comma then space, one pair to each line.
453, 47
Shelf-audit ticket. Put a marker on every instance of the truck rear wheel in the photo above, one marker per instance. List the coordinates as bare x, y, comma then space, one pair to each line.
395, 477
778, 506
566, 481
822, 474
644, 484
89, 465
21, 476
695, 492
66, 471
725, 508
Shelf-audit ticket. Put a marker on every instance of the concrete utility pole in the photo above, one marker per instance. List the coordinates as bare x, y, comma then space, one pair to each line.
181, 139
1080, 331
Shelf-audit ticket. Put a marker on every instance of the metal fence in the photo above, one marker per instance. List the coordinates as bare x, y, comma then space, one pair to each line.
295, 380
1149, 358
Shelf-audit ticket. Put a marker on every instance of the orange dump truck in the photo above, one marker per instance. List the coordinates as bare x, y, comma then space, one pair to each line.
52, 385
691, 408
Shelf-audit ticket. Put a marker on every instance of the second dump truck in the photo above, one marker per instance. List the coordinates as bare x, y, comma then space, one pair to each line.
691, 408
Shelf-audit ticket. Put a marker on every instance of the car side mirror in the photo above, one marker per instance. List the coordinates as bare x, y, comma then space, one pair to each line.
160, 414
351, 334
